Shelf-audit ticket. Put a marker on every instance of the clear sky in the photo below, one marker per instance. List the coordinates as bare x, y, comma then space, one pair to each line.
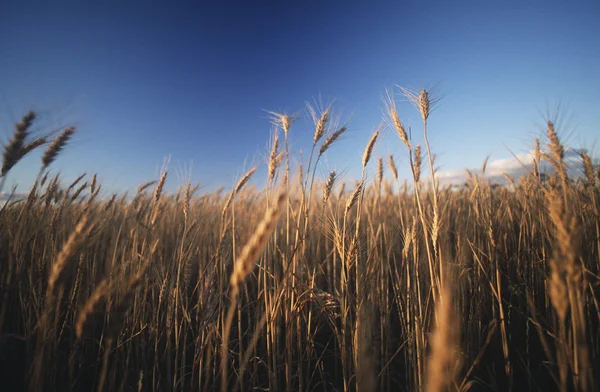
192, 79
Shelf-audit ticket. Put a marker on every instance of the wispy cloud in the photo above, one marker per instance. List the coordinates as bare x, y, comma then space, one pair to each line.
515, 166
17, 196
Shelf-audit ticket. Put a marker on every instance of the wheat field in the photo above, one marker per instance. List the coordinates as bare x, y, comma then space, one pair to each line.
308, 283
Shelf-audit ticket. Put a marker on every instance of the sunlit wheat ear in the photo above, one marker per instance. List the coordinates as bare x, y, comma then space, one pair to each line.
285, 121
393, 168
279, 159
300, 176
408, 239
331, 139
255, 245
13, 151
227, 205
424, 100
392, 112
159, 187
94, 305
187, 195
484, 165
554, 144
588, 168
93, 184
320, 122
338, 241
56, 147
354, 197
417, 164
236, 190
564, 265
141, 188
69, 249
369, 148
443, 359
273, 161
328, 186
424, 104
537, 153
379, 170
244, 180
352, 249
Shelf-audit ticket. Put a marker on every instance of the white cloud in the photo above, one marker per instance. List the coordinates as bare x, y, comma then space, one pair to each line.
17, 196
514, 167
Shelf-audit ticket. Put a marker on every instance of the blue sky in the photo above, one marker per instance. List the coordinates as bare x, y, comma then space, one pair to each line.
192, 81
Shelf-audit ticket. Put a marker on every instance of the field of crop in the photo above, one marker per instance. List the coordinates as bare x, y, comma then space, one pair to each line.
308, 283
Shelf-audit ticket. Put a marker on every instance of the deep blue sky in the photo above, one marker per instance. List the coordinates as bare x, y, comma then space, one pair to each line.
143, 81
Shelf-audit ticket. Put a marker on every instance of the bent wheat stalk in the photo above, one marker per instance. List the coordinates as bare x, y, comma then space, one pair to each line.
242, 268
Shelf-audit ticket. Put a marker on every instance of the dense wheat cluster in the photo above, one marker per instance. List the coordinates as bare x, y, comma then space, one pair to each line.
308, 283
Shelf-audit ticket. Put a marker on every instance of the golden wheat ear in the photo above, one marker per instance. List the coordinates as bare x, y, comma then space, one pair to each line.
369, 148
256, 244
93, 306
393, 167
329, 186
331, 139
